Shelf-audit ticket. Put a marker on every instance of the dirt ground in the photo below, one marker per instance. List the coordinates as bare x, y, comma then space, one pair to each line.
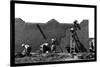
52, 57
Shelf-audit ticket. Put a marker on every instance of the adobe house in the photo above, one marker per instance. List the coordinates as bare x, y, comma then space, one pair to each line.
28, 33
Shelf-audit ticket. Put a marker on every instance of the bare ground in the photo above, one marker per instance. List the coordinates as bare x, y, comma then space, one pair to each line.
52, 57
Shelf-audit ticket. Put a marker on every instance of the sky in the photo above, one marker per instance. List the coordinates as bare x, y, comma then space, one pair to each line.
43, 13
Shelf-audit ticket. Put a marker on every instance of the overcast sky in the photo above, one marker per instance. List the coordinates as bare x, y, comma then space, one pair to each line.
42, 14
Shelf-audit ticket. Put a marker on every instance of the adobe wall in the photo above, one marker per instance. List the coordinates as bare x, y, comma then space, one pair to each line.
28, 33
